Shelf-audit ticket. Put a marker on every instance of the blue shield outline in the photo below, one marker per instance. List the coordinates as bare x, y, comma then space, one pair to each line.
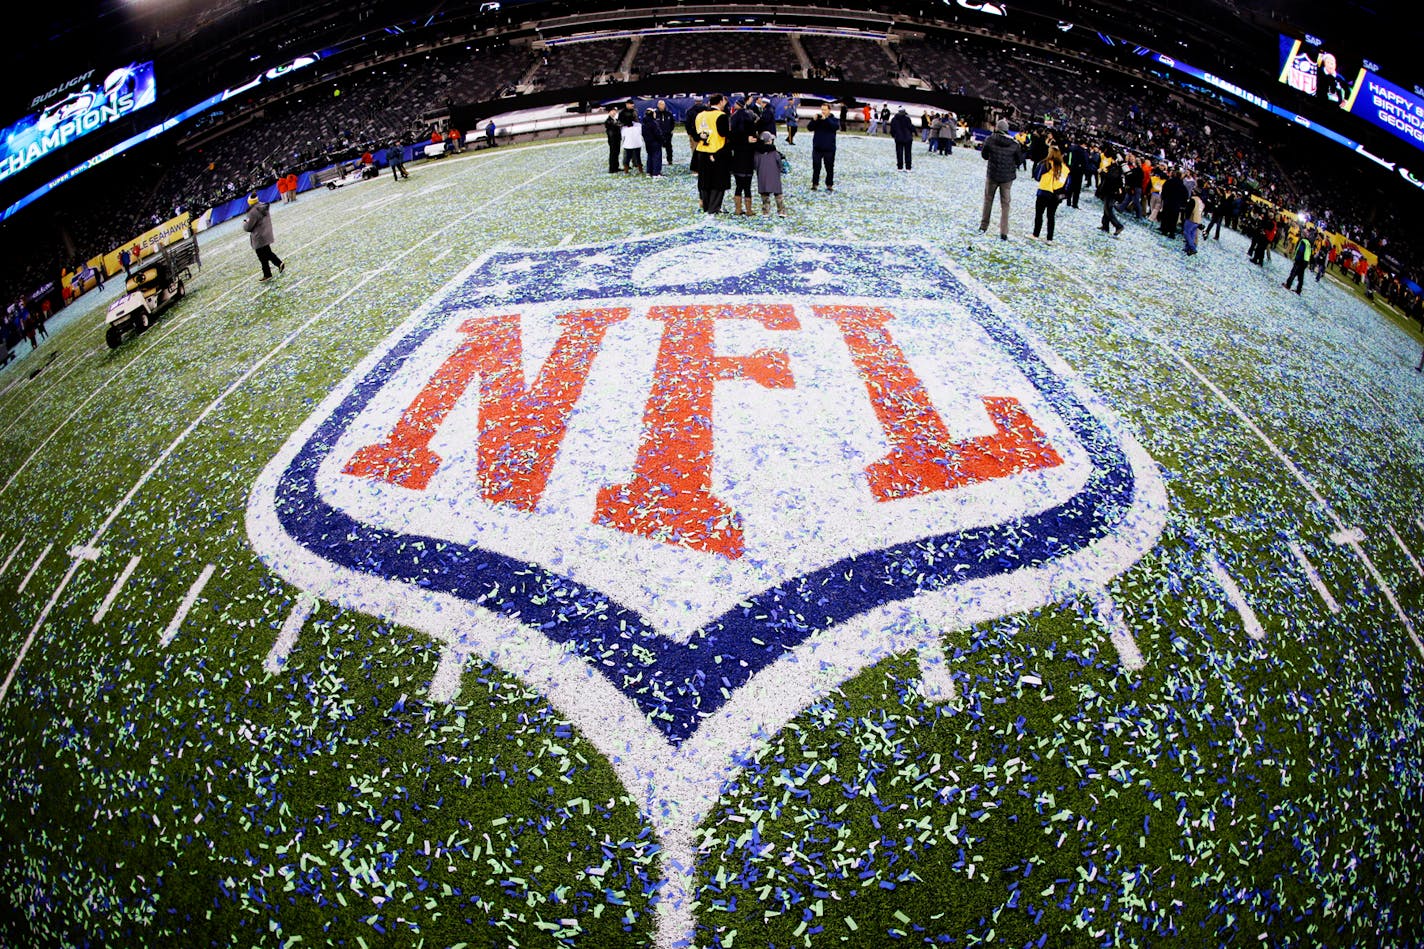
677, 686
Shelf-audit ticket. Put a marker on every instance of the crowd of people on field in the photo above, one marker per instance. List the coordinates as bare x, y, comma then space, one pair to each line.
107, 207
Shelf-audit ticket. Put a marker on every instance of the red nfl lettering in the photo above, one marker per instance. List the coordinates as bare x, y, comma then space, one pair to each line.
922, 456
521, 428
670, 497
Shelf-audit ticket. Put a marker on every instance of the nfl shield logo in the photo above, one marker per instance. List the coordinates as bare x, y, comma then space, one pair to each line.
686, 484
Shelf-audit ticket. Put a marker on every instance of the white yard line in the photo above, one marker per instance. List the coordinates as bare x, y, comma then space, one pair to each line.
565, 242
113, 593
163, 332
1105, 608
936, 683
213, 405
1313, 576
194, 592
442, 255
44, 615
23, 413
1355, 539
1407, 552
6, 565
1235, 597
287, 638
33, 569
1255, 430
1341, 531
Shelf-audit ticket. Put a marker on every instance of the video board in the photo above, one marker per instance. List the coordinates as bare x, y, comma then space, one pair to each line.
67, 113
1310, 67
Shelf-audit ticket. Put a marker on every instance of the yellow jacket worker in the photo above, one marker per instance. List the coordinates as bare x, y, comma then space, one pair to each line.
1052, 175
714, 160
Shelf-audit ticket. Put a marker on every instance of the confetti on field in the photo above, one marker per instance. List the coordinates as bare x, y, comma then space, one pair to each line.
959, 765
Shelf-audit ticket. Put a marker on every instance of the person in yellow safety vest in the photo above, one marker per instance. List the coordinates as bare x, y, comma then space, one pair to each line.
714, 160
1052, 175
1299, 263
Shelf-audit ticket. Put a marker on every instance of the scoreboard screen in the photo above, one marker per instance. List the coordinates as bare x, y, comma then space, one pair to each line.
70, 113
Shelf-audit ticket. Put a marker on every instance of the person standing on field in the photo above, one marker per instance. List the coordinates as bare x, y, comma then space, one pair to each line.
1004, 155
258, 225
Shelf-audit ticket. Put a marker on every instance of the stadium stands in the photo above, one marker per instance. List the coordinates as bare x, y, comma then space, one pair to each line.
341, 117
682, 52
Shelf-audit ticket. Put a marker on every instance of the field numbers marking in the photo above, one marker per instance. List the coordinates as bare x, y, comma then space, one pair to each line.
1105, 608
1235, 597
194, 592
1399, 541
1313, 576
113, 593
287, 638
38, 560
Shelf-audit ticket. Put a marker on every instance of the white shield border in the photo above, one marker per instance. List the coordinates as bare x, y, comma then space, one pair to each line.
677, 786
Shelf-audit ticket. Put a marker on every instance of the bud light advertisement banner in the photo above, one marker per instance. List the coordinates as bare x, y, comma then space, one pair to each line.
75, 114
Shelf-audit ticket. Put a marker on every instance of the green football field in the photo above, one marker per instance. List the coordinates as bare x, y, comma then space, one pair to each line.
1221, 747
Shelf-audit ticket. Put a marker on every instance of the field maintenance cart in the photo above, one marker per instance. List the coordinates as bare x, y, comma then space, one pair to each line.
151, 287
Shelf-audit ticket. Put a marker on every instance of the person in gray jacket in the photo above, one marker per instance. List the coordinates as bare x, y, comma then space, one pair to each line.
1003, 155
258, 225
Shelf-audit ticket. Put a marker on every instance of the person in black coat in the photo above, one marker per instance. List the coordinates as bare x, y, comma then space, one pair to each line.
1110, 189
823, 129
742, 135
667, 124
1077, 170
615, 139
1174, 199
902, 130
653, 142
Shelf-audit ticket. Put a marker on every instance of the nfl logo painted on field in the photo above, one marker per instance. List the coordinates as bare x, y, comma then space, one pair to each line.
687, 484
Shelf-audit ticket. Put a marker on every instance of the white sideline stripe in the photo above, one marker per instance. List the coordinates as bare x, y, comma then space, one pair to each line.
287, 638
6, 565
113, 593
193, 592
163, 332
39, 560
1256, 430
74, 364
1313, 576
1355, 540
1105, 608
936, 683
1235, 597
445, 684
44, 615
232, 387
98, 534
1407, 552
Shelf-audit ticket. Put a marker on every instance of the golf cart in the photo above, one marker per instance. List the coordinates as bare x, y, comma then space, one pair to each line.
150, 288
